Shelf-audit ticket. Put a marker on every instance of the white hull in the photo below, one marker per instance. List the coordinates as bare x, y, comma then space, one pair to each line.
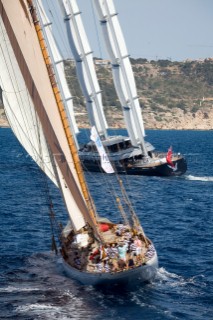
142, 273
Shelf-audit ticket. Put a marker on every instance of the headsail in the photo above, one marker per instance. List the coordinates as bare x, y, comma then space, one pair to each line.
19, 108
23, 41
105, 163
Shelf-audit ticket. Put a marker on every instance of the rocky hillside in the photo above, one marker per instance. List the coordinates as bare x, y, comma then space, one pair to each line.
172, 95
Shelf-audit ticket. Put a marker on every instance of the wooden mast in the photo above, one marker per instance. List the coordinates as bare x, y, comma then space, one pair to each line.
62, 113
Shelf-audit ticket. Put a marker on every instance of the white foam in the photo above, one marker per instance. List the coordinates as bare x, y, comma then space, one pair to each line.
37, 307
204, 179
46, 311
162, 274
49, 311
174, 280
18, 289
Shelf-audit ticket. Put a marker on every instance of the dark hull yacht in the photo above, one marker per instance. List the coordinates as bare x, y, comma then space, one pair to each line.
128, 159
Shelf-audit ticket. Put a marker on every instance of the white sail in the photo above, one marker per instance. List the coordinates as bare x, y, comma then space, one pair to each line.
105, 163
19, 108
20, 43
24, 49
83, 56
122, 71
57, 60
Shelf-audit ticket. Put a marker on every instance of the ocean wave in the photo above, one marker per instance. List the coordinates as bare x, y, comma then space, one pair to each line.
46, 311
204, 179
12, 289
50, 311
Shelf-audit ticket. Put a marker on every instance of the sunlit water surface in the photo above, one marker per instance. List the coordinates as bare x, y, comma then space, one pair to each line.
176, 214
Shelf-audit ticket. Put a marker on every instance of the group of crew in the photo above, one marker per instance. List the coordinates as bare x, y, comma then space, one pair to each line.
130, 251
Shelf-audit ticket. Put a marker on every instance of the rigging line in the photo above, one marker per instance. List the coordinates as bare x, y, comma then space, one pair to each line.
120, 203
55, 225
110, 181
53, 222
122, 211
96, 29
113, 192
128, 183
103, 178
15, 91
128, 202
125, 197
57, 21
136, 223
116, 198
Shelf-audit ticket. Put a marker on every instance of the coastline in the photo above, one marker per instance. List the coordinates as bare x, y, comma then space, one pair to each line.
4, 123
187, 121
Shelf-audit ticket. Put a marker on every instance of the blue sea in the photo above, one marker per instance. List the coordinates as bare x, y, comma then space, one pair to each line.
176, 213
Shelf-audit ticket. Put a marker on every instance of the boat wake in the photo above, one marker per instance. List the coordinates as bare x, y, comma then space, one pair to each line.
194, 178
163, 275
45, 293
173, 280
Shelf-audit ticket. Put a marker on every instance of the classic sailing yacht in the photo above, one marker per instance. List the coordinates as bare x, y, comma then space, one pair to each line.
132, 154
95, 250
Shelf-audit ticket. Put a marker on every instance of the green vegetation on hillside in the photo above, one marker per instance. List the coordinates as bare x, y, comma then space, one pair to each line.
161, 84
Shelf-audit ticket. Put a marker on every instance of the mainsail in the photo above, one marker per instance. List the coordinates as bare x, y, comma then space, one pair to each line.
83, 56
56, 58
122, 71
23, 54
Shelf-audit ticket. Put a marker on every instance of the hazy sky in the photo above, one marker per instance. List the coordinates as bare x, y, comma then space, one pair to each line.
159, 29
